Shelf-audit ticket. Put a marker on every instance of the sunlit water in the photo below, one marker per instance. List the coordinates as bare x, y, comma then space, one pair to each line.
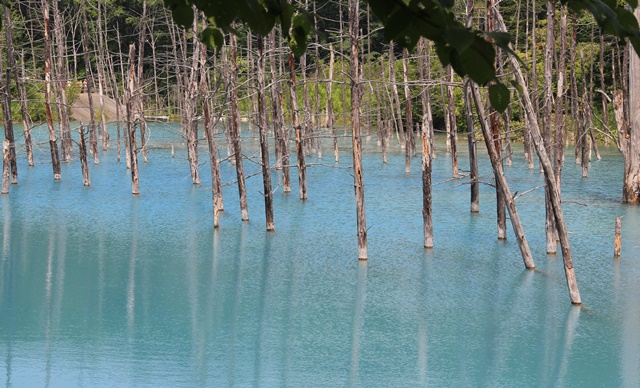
101, 288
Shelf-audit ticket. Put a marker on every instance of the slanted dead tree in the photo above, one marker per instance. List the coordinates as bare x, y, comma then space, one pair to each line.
131, 94
53, 141
6, 106
262, 127
297, 127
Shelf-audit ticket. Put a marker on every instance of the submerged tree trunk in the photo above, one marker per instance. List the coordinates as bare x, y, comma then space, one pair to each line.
130, 96
302, 169
26, 118
473, 151
453, 127
53, 142
86, 179
93, 138
427, 141
279, 129
545, 161
631, 184
61, 83
356, 135
234, 129
501, 181
409, 140
8, 120
264, 145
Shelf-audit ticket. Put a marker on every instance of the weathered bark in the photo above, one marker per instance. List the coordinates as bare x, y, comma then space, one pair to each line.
53, 143
549, 52
190, 104
216, 184
130, 96
86, 179
453, 127
6, 106
473, 152
471, 136
93, 138
142, 38
302, 169
331, 122
501, 181
631, 185
427, 140
279, 130
545, 161
6, 166
101, 80
264, 144
395, 99
61, 83
234, 129
409, 140
356, 135
616, 245
24, 111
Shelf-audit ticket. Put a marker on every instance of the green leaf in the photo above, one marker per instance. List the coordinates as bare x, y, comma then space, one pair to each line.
212, 37
460, 38
478, 61
632, 3
499, 96
182, 13
299, 30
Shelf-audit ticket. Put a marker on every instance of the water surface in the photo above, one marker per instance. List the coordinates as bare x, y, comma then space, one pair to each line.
101, 288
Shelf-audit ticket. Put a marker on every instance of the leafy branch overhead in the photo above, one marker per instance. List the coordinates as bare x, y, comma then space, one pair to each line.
470, 52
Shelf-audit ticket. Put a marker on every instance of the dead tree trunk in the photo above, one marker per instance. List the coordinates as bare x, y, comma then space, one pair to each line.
53, 142
427, 141
279, 129
190, 104
302, 170
142, 38
86, 179
101, 81
409, 140
24, 111
61, 83
631, 184
234, 129
545, 161
356, 131
93, 138
501, 181
330, 117
549, 51
8, 120
473, 151
130, 96
264, 144
6, 166
453, 127
216, 184
395, 99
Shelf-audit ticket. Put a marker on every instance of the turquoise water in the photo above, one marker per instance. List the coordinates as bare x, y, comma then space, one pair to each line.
100, 288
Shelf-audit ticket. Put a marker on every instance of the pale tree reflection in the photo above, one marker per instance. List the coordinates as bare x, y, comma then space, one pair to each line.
573, 316
358, 323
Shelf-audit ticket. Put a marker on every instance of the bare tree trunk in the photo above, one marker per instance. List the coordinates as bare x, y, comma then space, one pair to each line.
101, 80
330, 116
264, 145
24, 111
545, 161
424, 64
453, 127
6, 165
302, 170
61, 83
130, 96
409, 140
234, 129
8, 120
356, 134
501, 181
631, 184
216, 184
279, 129
93, 139
473, 152
53, 143
395, 104
86, 179
549, 51
141, 43
191, 108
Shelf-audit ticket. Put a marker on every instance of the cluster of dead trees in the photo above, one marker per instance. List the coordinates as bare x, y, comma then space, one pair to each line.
290, 101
